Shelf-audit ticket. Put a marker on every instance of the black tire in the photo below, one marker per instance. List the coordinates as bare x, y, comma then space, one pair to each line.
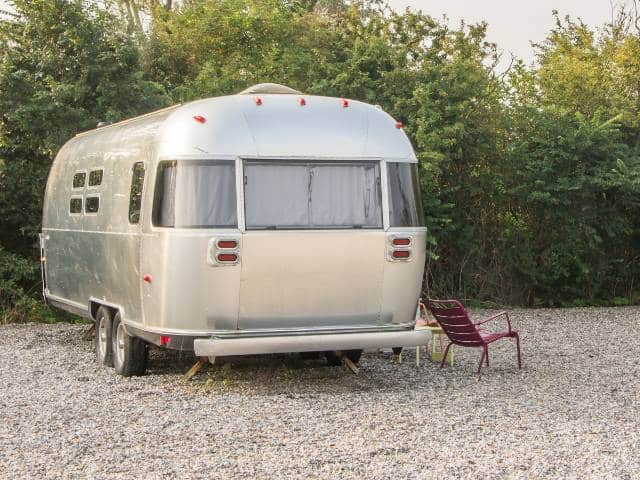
102, 338
397, 350
129, 353
333, 360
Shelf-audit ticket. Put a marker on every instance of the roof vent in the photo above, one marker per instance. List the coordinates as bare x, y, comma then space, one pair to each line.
266, 88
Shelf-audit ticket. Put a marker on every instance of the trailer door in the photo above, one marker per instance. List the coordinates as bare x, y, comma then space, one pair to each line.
314, 246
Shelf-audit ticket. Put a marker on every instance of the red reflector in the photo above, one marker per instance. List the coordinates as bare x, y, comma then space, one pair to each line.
146, 278
401, 254
165, 339
401, 241
258, 101
227, 244
227, 257
399, 125
345, 103
302, 102
199, 118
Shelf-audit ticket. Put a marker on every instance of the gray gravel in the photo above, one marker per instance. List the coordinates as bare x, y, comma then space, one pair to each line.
572, 412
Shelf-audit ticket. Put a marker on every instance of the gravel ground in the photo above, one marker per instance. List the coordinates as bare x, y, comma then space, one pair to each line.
571, 412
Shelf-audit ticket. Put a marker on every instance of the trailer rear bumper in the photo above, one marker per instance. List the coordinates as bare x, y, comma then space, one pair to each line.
221, 347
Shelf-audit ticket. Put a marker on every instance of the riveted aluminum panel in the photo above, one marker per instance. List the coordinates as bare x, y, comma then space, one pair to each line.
281, 128
320, 278
186, 291
98, 255
403, 278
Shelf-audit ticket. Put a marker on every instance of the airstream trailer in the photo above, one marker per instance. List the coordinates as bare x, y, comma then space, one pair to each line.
263, 222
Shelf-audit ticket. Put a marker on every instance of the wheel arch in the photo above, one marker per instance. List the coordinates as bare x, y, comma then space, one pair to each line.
95, 304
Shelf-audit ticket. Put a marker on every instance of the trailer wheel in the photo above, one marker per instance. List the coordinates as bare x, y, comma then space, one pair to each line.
102, 338
333, 360
129, 353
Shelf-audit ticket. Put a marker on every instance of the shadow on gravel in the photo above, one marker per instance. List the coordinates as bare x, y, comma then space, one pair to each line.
262, 374
292, 375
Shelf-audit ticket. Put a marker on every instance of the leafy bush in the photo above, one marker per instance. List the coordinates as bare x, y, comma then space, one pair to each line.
17, 276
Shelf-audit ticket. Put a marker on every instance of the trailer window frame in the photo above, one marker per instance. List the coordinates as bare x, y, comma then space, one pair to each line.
404, 196
89, 178
79, 212
159, 194
84, 180
135, 201
88, 197
311, 164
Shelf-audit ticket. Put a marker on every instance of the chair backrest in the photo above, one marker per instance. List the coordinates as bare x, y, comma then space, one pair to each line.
455, 321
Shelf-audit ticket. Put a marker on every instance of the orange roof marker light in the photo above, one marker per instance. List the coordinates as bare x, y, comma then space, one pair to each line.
199, 118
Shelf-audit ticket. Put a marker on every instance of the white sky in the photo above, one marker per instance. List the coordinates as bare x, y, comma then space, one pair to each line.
513, 24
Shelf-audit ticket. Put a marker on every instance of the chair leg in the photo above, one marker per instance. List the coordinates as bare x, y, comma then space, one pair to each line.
486, 348
515, 335
444, 357
484, 353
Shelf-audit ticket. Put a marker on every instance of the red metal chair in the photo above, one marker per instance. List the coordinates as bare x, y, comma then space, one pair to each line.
455, 321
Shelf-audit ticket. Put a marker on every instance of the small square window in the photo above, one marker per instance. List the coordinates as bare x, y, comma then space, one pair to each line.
95, 178
75, 205
78, 179
92, 205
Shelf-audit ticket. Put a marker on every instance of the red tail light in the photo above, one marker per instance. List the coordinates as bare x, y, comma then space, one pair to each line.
227, 244
258, 101
399, 125
345, 103
199, 118
401, 254
401, 242
302, 102
227, 257
146, 278
165, 339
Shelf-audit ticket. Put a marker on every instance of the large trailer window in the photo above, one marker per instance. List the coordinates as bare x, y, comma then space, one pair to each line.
405, 205
312, 195
195, 194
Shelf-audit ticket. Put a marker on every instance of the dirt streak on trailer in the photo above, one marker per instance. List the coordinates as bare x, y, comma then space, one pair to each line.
263, 222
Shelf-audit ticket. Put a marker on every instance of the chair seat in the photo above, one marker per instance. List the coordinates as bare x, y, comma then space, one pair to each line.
492, 337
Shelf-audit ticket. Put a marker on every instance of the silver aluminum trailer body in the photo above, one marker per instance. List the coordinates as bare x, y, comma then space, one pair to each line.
269, 216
